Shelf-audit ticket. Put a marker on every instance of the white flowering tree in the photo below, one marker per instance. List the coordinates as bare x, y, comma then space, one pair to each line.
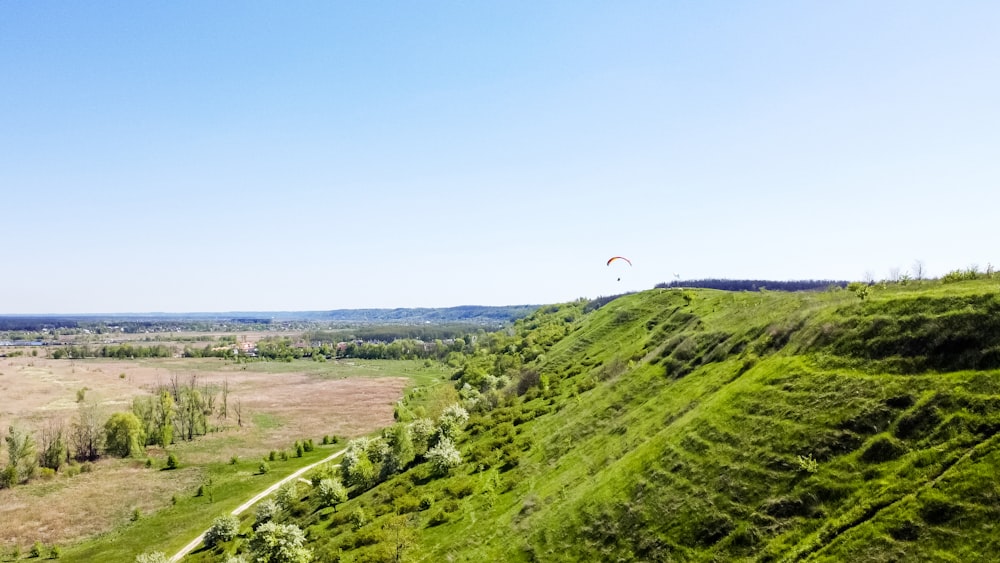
443, 456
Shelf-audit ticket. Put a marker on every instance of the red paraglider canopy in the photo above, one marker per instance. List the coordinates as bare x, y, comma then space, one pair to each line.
613, 258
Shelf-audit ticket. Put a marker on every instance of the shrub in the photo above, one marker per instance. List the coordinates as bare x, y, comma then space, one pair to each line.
407, 504
937, 508
807, 463
444, 456
461, 487
884, 448
358, 518
234, 460
36, 550
151, 557
224, 528
263, 468
55, 552
272, 455
439, 517
426, 502
266, 511
171, 461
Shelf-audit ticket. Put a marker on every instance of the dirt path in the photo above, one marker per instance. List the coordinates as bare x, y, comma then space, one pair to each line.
243, 507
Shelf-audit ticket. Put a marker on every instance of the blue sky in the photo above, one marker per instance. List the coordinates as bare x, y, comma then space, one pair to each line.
225, 156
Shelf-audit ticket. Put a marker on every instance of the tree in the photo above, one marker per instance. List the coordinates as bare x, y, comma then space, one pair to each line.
123, 435
918, 270
266, 511
443, 456
452, 421
401, 451
400, 534
224, 528
21, 460
286, 494
361, 464
85, 434
331, 492
165, 412
53, 446
421, 431
151, 557
279, 543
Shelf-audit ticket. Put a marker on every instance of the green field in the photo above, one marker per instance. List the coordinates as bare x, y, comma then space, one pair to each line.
700, 425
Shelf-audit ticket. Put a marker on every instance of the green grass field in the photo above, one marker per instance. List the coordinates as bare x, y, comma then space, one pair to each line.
700, 425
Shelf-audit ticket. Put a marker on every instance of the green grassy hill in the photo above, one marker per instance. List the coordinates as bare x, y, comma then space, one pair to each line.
702, 425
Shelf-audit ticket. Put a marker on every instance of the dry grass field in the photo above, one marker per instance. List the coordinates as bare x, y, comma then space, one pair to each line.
281, 403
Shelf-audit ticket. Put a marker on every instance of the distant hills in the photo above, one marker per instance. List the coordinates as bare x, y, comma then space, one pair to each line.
466, 314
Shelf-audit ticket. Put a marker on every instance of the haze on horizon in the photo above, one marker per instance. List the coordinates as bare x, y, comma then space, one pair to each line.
246, 156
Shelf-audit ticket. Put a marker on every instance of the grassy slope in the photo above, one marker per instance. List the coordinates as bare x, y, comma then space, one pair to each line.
678, 426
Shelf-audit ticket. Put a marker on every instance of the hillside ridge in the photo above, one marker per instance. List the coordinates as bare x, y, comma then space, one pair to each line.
703, 425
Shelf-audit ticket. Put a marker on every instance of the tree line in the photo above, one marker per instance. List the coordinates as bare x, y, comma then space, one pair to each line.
118, 351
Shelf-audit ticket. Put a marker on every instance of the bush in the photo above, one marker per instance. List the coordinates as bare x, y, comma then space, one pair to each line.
266, 511
884, 448
36, 550
443, 456
937, 508
439, 517
151, 557
171, 462
407, 504
224, 528
426, 502
461, 487
263, 468
234, 460
358, 519
55, 552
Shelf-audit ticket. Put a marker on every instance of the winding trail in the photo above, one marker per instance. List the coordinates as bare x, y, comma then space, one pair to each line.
243, 507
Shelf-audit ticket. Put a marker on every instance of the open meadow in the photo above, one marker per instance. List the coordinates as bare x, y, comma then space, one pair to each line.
270, 405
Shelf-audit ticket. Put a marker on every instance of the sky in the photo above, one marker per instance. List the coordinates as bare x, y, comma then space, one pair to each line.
263, 156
